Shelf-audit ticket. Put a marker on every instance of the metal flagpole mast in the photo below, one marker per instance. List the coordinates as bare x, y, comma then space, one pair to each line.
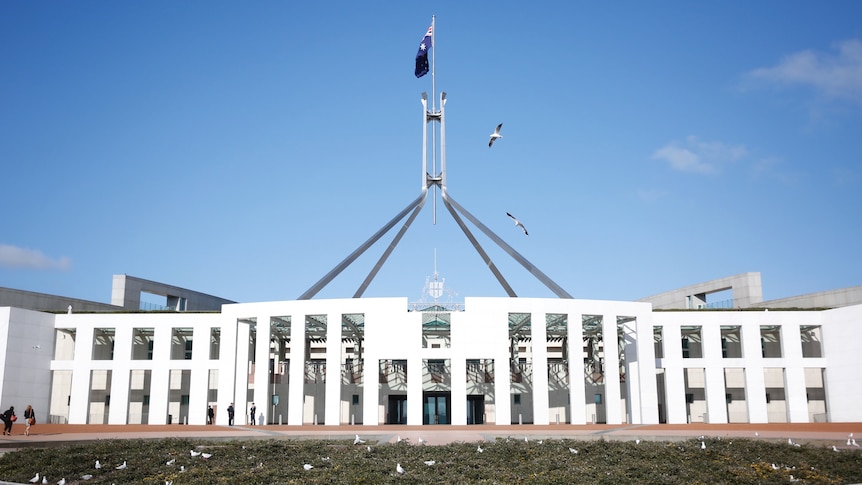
434, 110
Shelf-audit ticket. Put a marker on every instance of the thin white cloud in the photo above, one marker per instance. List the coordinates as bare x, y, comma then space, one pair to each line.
699, 156
650, 195
837, 76
15, 257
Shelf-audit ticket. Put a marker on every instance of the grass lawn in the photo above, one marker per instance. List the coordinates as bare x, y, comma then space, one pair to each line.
731, 461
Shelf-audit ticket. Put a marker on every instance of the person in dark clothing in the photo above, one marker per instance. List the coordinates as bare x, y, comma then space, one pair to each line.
29, 419
8, 418
230, 415
210, 415
253, 412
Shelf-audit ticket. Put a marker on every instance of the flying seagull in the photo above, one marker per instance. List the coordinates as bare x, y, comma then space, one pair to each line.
495, 135
518, 223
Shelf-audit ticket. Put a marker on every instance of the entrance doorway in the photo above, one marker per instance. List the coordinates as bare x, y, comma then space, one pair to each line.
476, 409
436, 408
397, 410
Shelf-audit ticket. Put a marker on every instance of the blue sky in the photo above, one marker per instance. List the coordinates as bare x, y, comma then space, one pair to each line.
243, 149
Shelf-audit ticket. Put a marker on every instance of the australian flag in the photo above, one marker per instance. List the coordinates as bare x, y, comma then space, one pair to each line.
422, 55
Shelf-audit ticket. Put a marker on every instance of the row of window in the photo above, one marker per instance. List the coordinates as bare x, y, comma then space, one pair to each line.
104, 344
771, 341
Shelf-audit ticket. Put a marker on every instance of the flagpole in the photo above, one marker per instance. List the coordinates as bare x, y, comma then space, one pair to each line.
434, 110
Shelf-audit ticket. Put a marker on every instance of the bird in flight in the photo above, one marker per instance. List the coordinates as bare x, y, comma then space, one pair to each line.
518, 223
495, 135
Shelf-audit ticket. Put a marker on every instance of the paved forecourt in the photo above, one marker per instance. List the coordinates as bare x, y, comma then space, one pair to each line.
52, 434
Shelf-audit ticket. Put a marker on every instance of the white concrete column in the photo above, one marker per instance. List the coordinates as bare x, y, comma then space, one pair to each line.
120, 374
539, 331
716, 402
458, 411
674, 380
613, 402
415, 401
262, 399
794, 373
296, 385
577, 390
755, 385
332, 405
503, 384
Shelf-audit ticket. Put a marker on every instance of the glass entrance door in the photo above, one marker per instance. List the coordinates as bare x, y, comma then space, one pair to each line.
436, 408
397, 410
475, 409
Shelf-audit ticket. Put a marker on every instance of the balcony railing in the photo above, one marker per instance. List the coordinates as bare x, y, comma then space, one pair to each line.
315, 372
351, 373
480, 372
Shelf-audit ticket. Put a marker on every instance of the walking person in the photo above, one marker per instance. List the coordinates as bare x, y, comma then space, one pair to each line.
230, 415
8, 418
210, 415
253, 412
29, 419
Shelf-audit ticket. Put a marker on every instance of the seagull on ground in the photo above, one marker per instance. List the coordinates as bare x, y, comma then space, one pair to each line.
853, 442
35, 479
325, 458
495, 135
62, 481
835, 448
44, 480
526, 440
479, 449
170, 462
518, 223
307, 467
358, 440
421, 441
206, 456
573, 451
702, 445
194, 453
121, 467
430, 462
399, 469
399, 440
368, 448
98, 464
638, 441
86, 477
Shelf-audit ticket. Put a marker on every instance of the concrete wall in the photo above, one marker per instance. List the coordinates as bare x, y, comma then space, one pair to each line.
126, 293
25, 376
50, 303
824, 299
747, 292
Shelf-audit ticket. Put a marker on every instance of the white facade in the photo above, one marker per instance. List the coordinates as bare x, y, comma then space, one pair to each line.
371, 361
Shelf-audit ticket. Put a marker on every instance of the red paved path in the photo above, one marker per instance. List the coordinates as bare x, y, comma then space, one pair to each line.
833, 433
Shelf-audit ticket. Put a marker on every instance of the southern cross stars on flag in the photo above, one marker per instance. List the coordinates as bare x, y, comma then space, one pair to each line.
422, 55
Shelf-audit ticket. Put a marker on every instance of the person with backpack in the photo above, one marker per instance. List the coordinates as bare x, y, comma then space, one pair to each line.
8, 418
